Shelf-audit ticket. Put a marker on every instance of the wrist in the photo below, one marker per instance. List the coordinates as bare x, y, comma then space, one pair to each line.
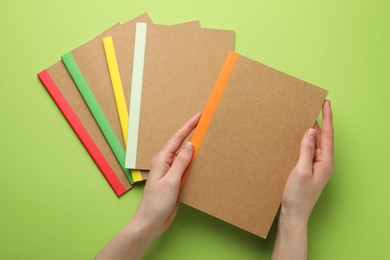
291, 237
142, 227
293, 218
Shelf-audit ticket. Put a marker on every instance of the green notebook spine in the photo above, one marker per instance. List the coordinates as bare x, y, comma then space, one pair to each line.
96, 111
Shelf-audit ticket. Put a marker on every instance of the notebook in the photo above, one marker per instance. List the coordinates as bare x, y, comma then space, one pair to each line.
119, 50
247, 142
88, 68
64, 92
173, 74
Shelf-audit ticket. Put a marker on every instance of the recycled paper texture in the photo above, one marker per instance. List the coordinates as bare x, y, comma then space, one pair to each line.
65, 84
176, 71
91, 61
124, 50
123, 45
251, 145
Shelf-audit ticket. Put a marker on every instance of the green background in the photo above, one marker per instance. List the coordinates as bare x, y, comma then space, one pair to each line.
54, 202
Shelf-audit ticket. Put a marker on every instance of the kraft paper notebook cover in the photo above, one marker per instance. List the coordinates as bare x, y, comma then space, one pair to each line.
61, 87
251, 127
119, 51
64, 92
88, 67
124, 49
119, 96
173, 74
119, 58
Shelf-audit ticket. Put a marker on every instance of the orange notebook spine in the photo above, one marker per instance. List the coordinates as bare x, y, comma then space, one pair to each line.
211, 106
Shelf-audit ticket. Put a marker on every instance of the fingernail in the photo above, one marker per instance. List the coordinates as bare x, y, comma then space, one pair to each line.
311, 133
187, 147
328, 103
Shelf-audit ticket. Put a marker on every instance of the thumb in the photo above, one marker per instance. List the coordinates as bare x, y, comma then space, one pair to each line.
308, 148
181, 162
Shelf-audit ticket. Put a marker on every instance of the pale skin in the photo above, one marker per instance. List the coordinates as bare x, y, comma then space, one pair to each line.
159, 203
303, 188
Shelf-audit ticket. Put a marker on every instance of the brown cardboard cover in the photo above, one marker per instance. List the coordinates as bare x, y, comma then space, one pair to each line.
63, 80
180, 68
91, 59
67, 87
124, 50
251, 146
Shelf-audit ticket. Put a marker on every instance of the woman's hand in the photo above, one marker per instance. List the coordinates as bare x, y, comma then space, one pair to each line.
159, 201
159, 204
313, 170
303, 188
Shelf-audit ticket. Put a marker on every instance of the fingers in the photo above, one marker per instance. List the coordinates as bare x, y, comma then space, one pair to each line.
327, 130
318, 130
178, 138
164, 159
308, 147
181, 163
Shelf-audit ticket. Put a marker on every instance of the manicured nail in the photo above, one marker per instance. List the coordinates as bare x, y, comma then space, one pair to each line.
311, 133
187, 147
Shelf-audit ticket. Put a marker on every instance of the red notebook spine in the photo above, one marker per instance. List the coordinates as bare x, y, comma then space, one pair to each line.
82, 133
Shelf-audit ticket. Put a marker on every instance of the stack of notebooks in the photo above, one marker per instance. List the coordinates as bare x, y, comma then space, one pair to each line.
128, 90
